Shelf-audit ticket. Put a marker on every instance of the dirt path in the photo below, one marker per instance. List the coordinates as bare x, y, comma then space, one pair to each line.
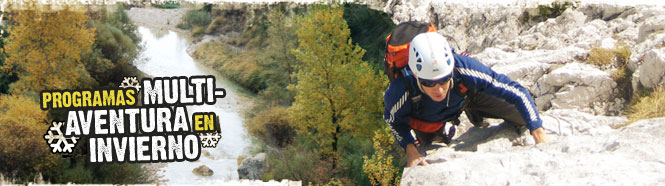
163, 19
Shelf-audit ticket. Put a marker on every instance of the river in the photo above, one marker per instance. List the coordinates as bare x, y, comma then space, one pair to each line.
164, 55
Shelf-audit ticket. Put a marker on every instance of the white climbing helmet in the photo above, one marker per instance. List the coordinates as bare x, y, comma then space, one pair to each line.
430, 56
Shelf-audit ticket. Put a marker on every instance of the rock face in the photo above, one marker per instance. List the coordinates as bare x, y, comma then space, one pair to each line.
576, 86
253, 167
578, 102
652, 72
494, 34
585, 151
202, 171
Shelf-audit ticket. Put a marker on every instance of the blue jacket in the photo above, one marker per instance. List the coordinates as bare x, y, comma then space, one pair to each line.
475, 76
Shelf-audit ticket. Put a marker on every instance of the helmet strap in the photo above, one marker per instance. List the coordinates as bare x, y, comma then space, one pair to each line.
419, 85
452, 82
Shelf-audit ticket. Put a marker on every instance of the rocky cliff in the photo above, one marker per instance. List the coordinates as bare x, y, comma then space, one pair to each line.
581, 104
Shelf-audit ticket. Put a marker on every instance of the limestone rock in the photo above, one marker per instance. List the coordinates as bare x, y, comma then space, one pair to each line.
253, 167
566, 122
651, 25
629, 36
578, 86
629, 156
469, 28
648, 33
527, 66
652, 72
607, 43
202, 171
640, 49
606, 11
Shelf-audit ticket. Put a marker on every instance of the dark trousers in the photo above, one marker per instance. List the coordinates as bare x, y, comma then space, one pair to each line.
485, 106
481, 106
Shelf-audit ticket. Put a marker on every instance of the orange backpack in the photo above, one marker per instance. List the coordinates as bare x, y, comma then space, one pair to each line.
397, 46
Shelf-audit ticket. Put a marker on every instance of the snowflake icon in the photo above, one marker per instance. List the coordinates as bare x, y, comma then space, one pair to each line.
210, 140
130, 82
57, 140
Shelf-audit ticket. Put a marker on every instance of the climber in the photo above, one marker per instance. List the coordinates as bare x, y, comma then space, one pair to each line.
451, 83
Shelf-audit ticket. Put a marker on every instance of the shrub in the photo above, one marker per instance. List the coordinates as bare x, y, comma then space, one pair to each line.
622, 52
271, 125
194, 18
351, 163
77, 173
198, 31
380, 167
601, 56
241, 68
544, 12
167, 5
297, 162
76, 169
23, 152
215, 25
650, 105
617, 57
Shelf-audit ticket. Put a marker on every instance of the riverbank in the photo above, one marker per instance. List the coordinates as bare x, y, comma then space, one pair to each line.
166, 20
164, 55
161, 19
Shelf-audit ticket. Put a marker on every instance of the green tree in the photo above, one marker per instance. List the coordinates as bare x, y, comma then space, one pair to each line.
45, 48
369, 29
5, 78
337, 93
115, 46
278, 56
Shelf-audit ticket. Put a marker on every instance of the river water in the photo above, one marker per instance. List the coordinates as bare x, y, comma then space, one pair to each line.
165, 55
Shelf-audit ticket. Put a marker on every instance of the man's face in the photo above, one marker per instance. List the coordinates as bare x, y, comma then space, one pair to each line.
437, 92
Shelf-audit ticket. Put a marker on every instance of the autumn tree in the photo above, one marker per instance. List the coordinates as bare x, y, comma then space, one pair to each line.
337, 93
45, 48
23, 151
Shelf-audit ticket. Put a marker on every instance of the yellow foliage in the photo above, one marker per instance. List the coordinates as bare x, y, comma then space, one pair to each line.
332, 182
45, 46
198, 31
22, 126
622, 52
650, 106
601, 56
379, 168
337, 93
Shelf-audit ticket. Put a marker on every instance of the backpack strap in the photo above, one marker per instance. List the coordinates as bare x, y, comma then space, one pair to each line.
461, 89
416, 106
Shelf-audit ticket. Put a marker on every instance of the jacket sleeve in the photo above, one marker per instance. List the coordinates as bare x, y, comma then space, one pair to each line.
397, 111
484, 79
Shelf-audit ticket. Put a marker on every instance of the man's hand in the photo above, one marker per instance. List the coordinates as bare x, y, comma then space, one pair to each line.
413, 157
539, 135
